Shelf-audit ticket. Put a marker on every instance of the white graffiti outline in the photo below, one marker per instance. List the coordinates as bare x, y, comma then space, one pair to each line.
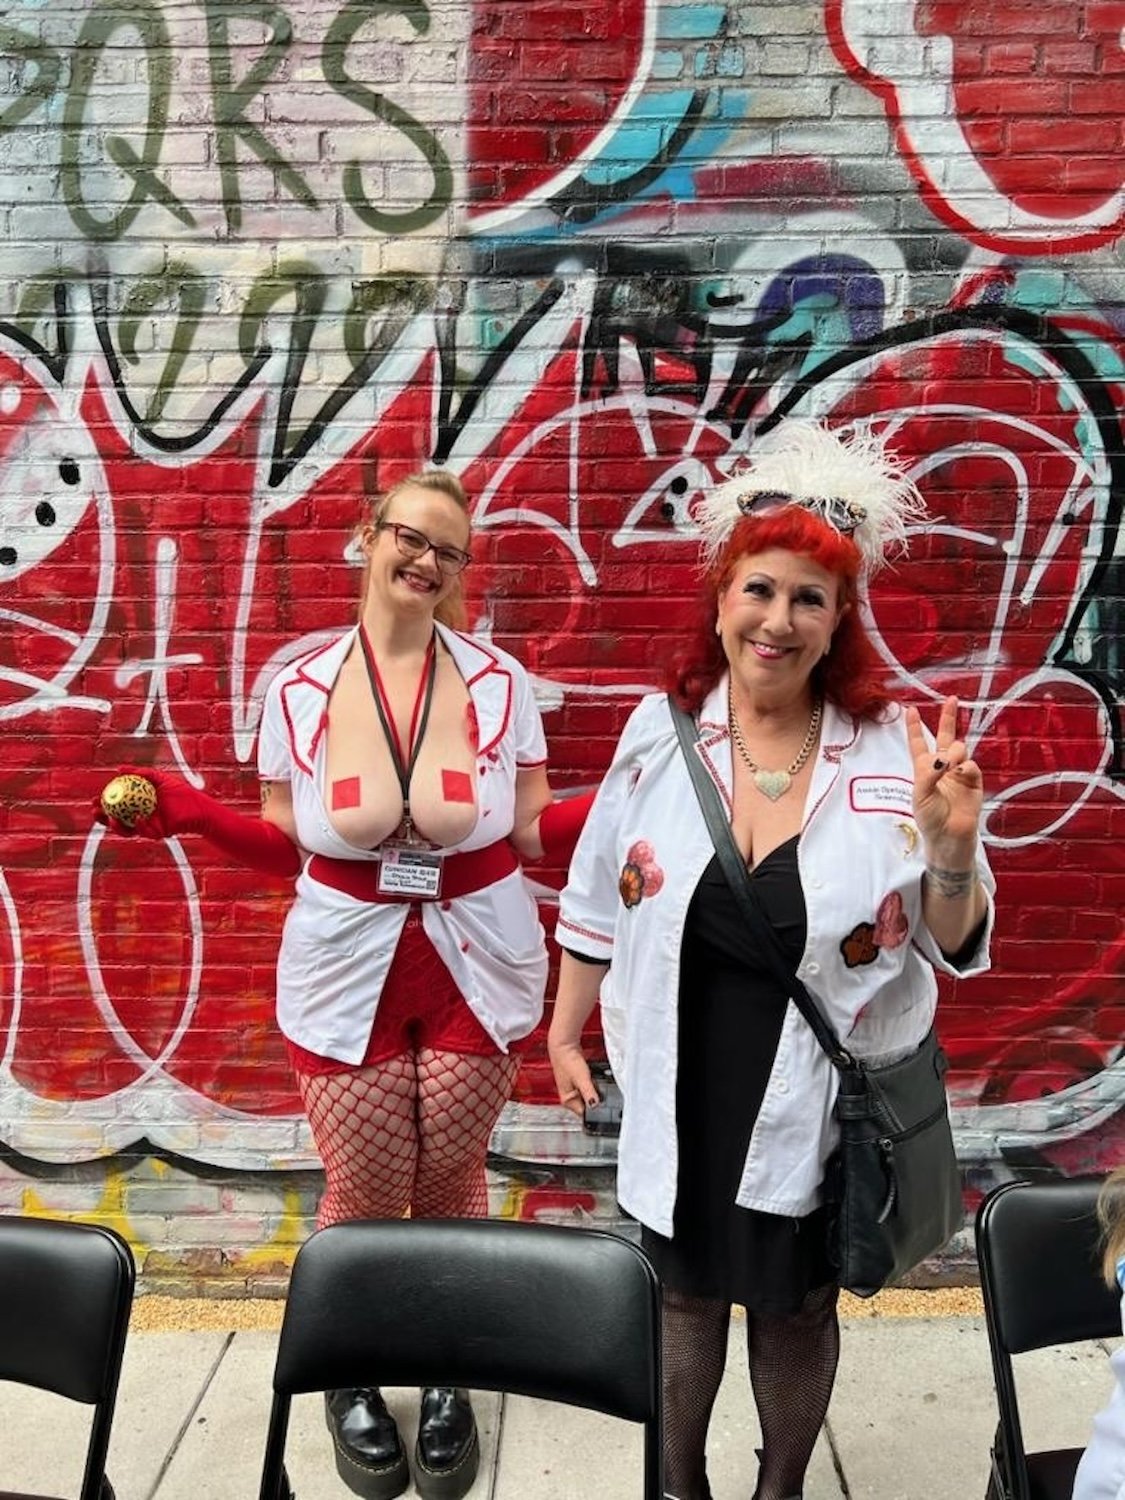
882, 41
11, 912
148, 1064
156, 667
540, 198
48, 694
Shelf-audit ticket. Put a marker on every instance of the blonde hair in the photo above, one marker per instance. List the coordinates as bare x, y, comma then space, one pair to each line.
452, 610
1111, 1218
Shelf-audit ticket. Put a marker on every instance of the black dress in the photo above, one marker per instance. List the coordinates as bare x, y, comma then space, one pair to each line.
731, 1011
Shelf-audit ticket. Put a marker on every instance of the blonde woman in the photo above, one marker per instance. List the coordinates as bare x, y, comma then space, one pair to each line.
403, 773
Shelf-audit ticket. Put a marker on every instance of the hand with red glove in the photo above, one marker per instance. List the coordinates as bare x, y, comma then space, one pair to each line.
181, 808
561, 822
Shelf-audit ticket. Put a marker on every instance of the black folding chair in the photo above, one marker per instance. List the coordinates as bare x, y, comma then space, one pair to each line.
65, 1294
1040, 1274
567, 1315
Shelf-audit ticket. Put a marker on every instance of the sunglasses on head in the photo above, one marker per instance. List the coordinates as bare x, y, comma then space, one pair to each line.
843, 515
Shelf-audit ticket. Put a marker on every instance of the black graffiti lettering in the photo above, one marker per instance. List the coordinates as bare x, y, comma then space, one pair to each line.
338, 38
39, 293
760, 365
394, 301
390, 302
450, 424
182, 442
651, 305
102, 23
581, 201
182, 286
305, 287
39, 88
230, 101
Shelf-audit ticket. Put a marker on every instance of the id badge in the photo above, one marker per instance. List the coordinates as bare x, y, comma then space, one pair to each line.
409, 872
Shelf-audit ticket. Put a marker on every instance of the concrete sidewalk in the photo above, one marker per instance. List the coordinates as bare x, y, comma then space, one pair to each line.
911, 1419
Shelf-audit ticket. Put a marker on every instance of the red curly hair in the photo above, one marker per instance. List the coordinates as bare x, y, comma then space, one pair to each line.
851, 676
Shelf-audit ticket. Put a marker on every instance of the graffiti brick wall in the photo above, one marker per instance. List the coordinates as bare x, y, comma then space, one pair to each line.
254, 256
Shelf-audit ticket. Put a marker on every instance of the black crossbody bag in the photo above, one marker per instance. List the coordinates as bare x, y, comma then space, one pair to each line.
893, 1185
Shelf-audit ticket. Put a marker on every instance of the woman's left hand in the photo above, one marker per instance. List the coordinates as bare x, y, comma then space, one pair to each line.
948, 786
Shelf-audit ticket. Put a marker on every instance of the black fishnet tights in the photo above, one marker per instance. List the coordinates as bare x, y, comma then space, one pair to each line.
695, 1355
408, 1135
793, 1361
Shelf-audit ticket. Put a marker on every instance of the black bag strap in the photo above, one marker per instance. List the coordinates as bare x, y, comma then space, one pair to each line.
738, 877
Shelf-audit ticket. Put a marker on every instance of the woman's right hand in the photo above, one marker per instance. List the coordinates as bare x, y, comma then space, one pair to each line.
572, 1075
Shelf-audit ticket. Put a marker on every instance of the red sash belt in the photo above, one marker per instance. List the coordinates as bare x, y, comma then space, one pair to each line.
461, 874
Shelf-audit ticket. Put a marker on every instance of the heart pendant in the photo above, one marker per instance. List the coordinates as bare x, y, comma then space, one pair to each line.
772, 784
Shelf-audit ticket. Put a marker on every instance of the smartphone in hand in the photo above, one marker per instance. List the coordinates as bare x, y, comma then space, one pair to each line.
603, 1118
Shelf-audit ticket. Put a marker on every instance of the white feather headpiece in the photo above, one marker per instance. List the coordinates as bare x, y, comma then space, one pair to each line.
845, 476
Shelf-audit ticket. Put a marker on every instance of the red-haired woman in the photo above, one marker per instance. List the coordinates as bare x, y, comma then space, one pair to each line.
861, 834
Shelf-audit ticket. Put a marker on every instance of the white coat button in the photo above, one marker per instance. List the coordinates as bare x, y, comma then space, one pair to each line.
813, 968
782, 1085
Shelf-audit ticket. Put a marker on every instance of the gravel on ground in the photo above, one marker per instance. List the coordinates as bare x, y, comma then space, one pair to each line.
158, 1314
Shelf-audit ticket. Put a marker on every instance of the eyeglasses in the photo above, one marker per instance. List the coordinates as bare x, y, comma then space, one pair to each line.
414, 544
845, 516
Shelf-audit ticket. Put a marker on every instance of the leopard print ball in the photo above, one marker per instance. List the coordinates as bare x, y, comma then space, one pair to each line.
129, 799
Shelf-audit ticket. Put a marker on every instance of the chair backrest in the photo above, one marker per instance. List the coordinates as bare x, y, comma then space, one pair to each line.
1040, 1265
568, 1315
1039, 1256
66, 1291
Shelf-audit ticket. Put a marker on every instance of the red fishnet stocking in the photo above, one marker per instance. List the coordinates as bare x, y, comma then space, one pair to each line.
407, 1135
363, 1123
459, 1099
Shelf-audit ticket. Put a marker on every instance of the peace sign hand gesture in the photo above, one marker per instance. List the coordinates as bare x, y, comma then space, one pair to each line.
948, 786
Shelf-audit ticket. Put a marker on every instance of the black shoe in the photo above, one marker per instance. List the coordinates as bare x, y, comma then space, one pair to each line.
370, 1458
447, 1454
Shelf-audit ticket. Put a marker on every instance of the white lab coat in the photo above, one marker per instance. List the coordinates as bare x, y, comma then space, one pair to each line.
869, 958
336, 951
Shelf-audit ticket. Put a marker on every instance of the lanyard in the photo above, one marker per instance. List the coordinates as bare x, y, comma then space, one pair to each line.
404, 766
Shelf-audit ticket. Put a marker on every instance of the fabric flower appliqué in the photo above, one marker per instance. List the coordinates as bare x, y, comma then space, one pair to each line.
890, 929
891, 926
640, 875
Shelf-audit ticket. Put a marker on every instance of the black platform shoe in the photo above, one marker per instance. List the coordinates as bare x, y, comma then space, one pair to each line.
447, 1454
370, 1458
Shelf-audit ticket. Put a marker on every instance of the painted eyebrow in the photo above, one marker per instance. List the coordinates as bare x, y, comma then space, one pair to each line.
819, 589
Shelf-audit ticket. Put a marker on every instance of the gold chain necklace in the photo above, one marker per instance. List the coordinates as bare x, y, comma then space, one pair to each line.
774, 784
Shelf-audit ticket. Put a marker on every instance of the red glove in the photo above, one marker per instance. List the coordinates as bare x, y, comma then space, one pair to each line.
561, 822
180, 808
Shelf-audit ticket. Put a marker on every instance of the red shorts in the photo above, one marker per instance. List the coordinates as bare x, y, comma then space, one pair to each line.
420, 1006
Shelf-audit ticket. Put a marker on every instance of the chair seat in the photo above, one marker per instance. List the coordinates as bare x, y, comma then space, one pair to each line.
1050, 1474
